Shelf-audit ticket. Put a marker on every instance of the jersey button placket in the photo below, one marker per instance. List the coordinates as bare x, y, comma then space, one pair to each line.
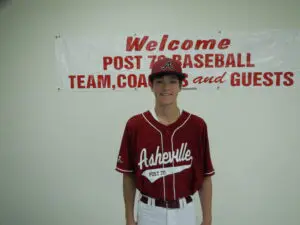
174, 174
168, 133
166, 149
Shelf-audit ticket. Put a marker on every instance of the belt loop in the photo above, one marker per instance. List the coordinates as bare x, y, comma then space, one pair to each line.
184, 202
140, 196
150, 201
181, 204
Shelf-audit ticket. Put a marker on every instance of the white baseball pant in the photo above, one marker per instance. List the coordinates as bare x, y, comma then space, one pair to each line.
149, 214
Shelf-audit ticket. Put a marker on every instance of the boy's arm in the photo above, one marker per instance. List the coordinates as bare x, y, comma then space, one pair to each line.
129, 190
205, 194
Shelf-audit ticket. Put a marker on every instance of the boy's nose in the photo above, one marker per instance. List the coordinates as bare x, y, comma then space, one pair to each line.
166, 85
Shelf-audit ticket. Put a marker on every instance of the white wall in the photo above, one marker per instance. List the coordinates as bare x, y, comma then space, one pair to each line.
56, 147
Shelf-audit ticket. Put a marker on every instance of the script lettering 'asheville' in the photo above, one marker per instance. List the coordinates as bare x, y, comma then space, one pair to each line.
159, 160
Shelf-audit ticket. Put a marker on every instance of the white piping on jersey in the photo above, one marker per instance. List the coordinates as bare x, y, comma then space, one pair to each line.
124, 170
162, 147
210, 172
172, 143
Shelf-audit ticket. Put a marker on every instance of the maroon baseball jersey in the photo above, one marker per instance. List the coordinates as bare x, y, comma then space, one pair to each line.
169, 161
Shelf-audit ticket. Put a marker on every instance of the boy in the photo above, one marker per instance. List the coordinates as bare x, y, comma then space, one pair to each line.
165, 154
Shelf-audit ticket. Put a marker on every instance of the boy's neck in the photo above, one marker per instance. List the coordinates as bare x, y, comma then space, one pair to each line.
167, 114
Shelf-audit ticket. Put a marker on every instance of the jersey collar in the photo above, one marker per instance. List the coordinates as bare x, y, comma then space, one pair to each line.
152, 118
153, 113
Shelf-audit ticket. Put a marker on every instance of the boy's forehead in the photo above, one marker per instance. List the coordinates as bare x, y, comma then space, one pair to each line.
170, 76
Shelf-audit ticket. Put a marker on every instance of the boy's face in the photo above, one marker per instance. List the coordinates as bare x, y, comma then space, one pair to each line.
166, 89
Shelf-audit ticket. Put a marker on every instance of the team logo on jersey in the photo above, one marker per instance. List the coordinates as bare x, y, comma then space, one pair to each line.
168, 66
179, 155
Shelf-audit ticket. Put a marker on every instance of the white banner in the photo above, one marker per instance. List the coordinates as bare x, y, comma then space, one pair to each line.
210, 60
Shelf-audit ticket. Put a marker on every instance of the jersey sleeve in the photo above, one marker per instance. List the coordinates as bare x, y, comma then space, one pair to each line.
125, 157
208, 168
